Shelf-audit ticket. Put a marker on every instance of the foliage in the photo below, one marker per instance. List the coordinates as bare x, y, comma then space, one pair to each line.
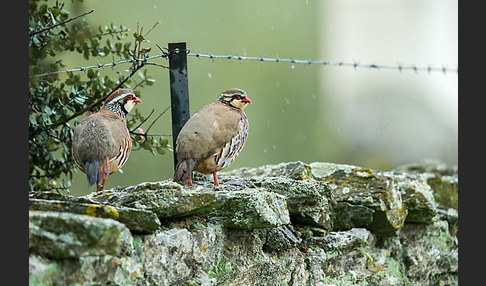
56, 100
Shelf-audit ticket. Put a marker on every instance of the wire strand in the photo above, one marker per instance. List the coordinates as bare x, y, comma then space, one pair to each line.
355, 65
293, 62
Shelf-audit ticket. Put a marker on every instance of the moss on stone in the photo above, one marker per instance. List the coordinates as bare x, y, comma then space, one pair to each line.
246, 232
65, 235
446, 190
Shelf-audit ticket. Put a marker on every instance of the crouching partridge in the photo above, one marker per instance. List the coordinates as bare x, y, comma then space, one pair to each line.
213, 137
101, 142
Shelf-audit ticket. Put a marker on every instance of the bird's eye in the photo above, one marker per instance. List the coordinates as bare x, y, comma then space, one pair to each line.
236, 96
129, 97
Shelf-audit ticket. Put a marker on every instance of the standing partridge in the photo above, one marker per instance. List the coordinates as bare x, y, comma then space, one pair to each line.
101, 141
213, 137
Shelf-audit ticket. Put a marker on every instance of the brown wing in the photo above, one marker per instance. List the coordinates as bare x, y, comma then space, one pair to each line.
207, 131
99, 136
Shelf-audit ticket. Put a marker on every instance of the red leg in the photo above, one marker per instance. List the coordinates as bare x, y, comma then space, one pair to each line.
215, 179
102, 174
190, 182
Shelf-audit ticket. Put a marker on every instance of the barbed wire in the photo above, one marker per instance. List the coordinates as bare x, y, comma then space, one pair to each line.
112, 64
293, 62
355, 65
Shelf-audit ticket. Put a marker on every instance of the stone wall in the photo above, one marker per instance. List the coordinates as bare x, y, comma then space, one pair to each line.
286, 224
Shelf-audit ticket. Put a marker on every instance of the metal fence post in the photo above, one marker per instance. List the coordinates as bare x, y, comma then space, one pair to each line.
179, 92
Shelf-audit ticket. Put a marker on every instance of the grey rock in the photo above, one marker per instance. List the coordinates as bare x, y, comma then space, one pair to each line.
292, 170
442, 178
66, 235
286, 224
248, 208
343, 240
364, 187
136, 220
308, 200
346, 216
177, 255
430, 253
417, 196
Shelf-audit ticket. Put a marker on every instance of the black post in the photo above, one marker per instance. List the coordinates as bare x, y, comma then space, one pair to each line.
179, 92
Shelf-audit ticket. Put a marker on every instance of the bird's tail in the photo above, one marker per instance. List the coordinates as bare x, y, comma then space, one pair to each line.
92, 169
183, 170
97, 171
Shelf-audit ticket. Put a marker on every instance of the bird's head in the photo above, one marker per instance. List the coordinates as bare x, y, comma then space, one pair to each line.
121, 101
234, 97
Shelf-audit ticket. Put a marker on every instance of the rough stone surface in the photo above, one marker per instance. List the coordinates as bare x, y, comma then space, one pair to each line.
66, 235
135, 219
247, 208
355, 186
286, 224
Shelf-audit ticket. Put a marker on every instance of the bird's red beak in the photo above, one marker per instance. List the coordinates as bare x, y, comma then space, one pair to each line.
137, 99
246, 100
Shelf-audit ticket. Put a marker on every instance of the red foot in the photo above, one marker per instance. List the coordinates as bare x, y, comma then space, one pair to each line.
190, 182
103, 172
215, 179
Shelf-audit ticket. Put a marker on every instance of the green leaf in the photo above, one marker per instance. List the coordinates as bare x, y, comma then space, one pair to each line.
164, 142
32, 120
161, 150
147, 146
46, 119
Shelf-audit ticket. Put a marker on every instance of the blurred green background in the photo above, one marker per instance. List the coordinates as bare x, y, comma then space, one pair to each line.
373, 118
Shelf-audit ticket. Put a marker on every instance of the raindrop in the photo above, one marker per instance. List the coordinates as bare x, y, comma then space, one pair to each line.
265, 151
292, 65
209, 75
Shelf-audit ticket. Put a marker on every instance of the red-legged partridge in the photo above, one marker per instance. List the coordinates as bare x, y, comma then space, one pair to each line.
213, 137
101, 141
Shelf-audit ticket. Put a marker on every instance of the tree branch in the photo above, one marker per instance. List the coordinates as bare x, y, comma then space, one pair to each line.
60, 23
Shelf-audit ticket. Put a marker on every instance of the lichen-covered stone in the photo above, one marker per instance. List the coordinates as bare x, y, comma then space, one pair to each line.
308, 201
341, 230
66, 235
321, 170
446, 190
342, 240
248, 208
346, 216
293, 170
86, 270
428, 166
178, 256
442, 178
94, 210
417, 197
365, 187
430, 253
135, 219
252, 209
246, 261
282, 237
